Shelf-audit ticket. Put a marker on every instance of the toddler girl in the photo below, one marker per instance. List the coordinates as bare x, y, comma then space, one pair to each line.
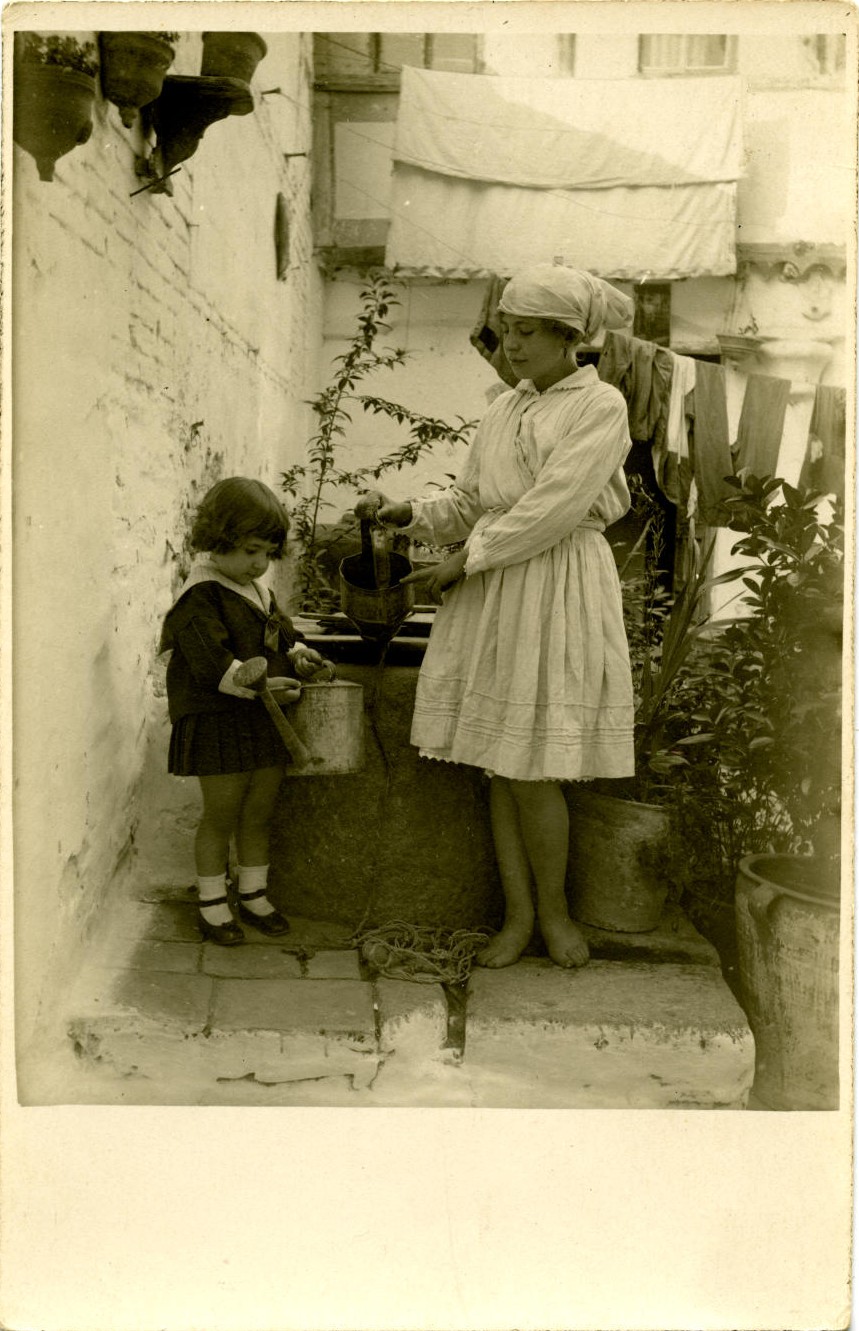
222, 733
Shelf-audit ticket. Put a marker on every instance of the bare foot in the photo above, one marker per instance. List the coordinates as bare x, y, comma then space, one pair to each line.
565, 943
507, 946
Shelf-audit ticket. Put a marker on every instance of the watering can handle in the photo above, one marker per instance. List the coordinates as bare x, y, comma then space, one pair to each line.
252, 674
374, 552
366, 541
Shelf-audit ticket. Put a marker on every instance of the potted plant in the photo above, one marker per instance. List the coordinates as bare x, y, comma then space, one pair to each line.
774, 710
54, 88
133, 65
233, 55
185, 109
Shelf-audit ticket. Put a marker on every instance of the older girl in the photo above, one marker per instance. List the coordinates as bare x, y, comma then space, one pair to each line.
526, 673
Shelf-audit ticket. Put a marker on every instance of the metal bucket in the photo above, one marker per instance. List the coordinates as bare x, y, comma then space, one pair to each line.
619, 859
329, 718
376, 612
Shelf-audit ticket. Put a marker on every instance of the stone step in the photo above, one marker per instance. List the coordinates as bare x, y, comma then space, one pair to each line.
161, 1017
612, 1035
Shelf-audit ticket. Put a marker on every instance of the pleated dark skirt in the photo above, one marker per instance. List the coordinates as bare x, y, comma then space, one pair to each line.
216, 743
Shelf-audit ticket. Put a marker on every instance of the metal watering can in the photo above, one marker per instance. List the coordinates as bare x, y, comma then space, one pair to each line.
371, 591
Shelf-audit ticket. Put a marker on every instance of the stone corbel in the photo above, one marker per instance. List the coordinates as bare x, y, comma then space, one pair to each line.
791, 261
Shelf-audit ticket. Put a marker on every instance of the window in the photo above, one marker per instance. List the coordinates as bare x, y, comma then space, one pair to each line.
566, 53
826, 53
666, 54
374, 59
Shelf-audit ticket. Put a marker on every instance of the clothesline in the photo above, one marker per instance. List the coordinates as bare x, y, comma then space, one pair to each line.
678, 405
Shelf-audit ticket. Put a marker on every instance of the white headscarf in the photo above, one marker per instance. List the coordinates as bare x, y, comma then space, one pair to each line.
567, 295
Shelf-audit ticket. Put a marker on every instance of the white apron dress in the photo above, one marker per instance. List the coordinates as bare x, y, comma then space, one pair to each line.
526, 673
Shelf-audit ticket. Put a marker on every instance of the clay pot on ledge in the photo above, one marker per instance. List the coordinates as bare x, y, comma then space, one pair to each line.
232, 55
52, 112
185, 110
133, 66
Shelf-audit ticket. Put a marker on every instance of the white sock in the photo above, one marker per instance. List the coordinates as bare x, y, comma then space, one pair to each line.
210, 889
251, 879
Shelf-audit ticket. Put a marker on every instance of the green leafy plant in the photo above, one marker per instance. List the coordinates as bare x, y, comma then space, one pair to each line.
772, 689
63, 52
663, 633
311, 484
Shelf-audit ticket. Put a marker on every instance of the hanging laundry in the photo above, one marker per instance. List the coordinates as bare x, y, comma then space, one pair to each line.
710, 444
642, 372
671, 461
761, 424
486, 333
825, 464
615, 362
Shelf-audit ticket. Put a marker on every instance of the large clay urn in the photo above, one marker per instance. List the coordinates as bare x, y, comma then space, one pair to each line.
788, 934
52, 112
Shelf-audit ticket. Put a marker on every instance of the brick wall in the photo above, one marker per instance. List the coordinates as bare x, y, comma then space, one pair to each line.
154, 350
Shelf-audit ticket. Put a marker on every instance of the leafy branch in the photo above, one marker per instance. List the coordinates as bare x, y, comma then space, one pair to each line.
309, 484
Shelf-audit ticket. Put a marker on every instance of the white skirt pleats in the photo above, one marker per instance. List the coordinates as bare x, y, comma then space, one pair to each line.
526, 673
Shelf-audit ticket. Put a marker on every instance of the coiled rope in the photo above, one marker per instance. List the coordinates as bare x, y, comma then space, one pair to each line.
426, 954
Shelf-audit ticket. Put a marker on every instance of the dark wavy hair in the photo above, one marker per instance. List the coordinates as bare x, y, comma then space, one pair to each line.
235, 510
571, 336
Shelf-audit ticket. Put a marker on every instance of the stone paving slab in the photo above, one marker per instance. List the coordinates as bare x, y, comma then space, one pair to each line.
325, 1007
412, 1017
180, 1001
173, 921
625, 1035
269, 962
340, 965
178, 958
675, 939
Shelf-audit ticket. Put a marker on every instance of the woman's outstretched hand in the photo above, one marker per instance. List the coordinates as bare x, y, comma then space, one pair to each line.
436, 578
376, 505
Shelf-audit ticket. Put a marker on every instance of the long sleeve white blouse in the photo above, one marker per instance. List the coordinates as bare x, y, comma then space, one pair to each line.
540, 465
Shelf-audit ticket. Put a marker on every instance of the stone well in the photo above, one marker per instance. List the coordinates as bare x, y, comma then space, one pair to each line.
406, 838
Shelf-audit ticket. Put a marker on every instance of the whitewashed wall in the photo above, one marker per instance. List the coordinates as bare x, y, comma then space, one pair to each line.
154, 351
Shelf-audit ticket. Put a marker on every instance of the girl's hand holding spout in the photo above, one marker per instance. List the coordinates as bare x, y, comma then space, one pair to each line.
377, 506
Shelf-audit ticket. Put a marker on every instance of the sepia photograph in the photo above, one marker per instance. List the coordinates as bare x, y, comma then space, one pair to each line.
428, 512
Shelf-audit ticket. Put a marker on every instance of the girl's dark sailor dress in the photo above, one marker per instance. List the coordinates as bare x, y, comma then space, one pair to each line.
213, 622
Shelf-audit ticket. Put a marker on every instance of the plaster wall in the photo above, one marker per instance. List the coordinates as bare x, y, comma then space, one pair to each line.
154, 350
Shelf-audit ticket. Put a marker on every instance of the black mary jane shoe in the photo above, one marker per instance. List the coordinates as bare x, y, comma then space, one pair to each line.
225, 935
272, 924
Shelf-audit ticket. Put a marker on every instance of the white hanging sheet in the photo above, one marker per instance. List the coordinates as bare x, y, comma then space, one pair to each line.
629, 178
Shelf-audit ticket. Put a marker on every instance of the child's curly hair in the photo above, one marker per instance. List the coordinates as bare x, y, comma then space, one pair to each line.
235, 510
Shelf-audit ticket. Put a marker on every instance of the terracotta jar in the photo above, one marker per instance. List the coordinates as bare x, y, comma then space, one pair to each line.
232, 55
52, 112
133, 65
